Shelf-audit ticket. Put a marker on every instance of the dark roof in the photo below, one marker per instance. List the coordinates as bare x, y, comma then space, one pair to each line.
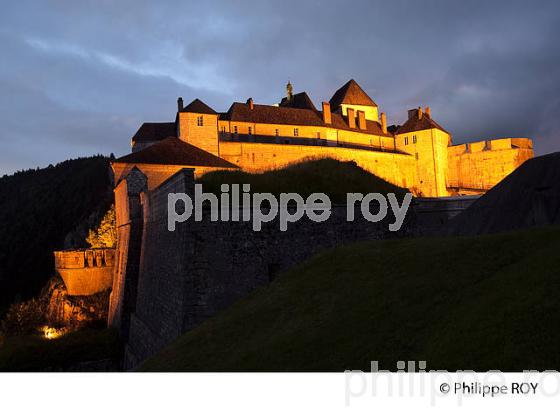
415, 124
299, 100
350, 93
199, 107
154, 131
393, 128
269, 114
173, 151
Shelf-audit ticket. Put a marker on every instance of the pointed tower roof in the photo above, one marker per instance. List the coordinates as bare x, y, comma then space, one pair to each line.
299, 100
350, 93
198, 106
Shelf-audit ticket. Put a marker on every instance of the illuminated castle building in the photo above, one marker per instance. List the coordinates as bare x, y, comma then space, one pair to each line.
165, 282
417, 155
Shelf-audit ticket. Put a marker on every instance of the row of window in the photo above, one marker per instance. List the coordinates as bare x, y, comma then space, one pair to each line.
250, 130
200, 123
413, 140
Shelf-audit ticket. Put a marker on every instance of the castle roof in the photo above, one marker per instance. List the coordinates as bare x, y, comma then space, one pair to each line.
299, 100
350, 93
415, 124
199, 107
173, 151
269, 114
154, 131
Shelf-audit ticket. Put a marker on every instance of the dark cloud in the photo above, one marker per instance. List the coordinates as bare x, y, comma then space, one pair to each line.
79, 77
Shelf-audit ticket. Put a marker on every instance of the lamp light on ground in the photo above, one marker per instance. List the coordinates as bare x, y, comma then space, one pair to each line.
52, 332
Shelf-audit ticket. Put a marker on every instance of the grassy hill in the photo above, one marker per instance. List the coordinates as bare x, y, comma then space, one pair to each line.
478, 303
329, 176
38, 208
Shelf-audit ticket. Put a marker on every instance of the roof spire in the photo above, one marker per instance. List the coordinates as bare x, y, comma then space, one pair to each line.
289, 90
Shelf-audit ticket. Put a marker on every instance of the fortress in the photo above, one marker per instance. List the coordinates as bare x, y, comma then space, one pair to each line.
417, 155
165, 283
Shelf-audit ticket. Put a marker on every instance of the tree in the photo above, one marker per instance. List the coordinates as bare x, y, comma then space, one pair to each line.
105, 236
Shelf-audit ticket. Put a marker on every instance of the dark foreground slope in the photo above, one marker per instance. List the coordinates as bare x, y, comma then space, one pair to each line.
529, 196
479, 303
83, 350
38, 208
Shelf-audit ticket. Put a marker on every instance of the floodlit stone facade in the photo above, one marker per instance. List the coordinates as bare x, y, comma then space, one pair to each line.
417, 155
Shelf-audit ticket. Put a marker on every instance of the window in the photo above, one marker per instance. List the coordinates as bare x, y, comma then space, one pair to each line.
235, 129
405, 140
200, 120
277, 132
296, 132
250, 131
414, 139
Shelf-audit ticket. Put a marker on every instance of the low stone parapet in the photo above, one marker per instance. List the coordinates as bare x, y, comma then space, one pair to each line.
86, 271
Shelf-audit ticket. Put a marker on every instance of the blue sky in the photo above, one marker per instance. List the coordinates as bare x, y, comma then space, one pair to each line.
78, 78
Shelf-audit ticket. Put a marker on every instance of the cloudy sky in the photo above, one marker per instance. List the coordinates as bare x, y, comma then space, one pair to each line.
79, 77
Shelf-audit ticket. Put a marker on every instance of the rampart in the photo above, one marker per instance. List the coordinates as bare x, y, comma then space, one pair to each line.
478, 166
395, 167
85, 271
167, 282
183, 277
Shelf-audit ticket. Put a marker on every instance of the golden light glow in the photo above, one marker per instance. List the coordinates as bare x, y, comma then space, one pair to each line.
53, 333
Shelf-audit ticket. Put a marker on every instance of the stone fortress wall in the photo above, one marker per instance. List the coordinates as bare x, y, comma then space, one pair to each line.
481, 165
395, 168
165, 283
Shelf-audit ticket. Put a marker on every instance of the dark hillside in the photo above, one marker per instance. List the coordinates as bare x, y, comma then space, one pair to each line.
38, 208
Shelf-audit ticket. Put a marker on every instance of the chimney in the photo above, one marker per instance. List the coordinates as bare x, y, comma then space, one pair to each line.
250, 103
384, 122
419, 112
411, 113
327, 113
180, 104
362, 120
427, 112
351, 118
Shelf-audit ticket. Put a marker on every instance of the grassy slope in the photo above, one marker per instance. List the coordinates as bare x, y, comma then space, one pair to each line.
33, 353
459, 303
329, 176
